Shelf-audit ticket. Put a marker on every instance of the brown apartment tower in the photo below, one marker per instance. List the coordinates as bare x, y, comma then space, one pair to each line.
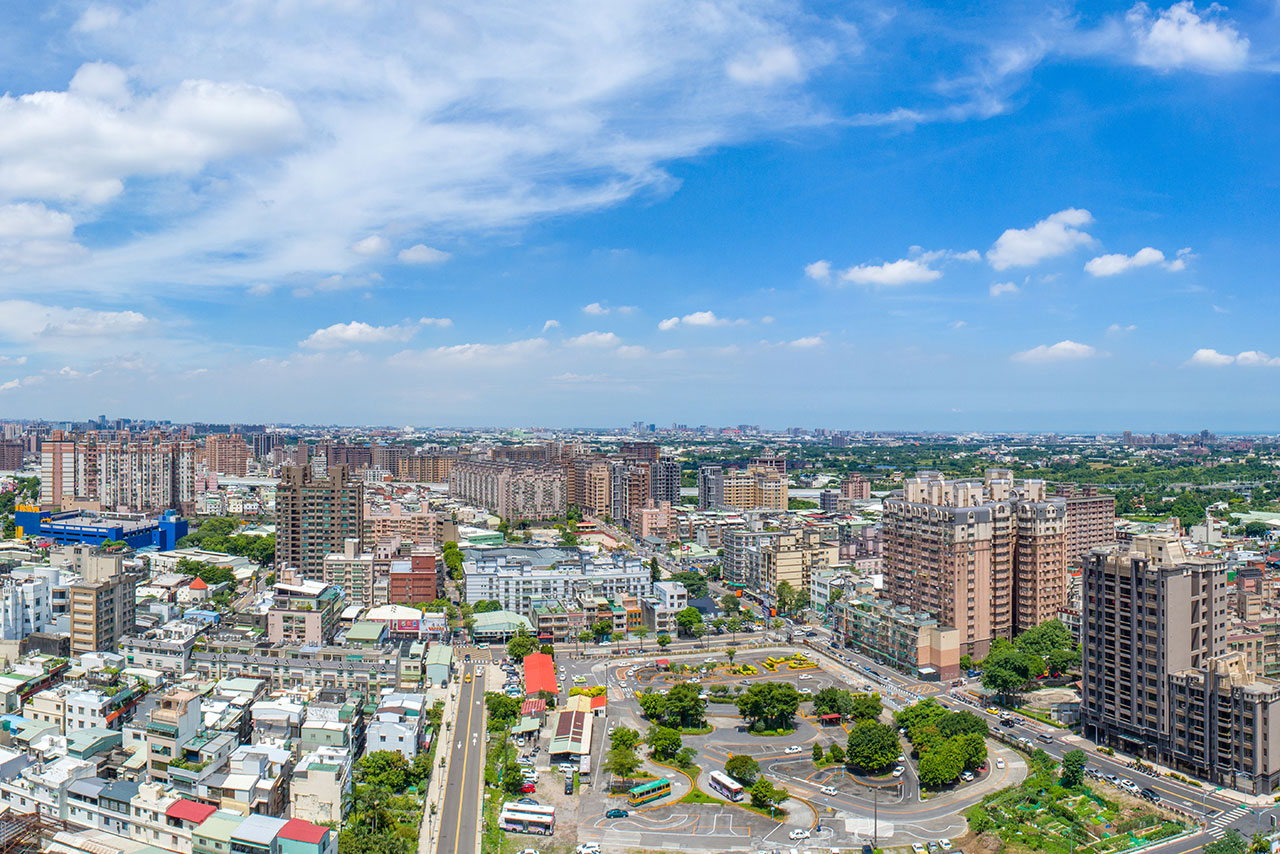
985, 557
315, 516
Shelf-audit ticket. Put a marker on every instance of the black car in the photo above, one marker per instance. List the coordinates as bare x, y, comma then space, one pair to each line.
1006, 722
529, 802
867, 849
568, 786
1151, 795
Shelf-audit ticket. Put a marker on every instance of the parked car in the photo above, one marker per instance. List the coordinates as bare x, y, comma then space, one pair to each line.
568, 785
944, 844
795, 748
615, 813
967, 777
798, 833
529, 802
528, 787
999, 762
587, 848
917, 848
899, 771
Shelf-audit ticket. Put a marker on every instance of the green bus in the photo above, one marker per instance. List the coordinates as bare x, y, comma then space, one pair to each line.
650, 791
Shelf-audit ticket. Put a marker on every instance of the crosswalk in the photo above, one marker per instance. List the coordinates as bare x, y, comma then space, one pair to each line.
1221, 825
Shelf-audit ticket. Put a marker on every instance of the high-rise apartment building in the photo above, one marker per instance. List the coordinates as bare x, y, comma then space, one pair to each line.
11, 454
588, 483
639, 452
986, 557
226, 453
265, 443
733, 489
102, 603
757, 561
1091, 520
424, 468
514, 491
315, 516
630, 489
354, 457
666, 482
141, 474
1158, 678
855, 487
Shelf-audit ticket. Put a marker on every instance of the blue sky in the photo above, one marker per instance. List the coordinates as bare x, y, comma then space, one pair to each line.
858, 215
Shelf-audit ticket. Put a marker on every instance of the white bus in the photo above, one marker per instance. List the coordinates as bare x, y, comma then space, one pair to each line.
528, 818
726, 786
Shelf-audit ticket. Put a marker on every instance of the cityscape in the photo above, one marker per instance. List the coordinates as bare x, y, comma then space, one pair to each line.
727, 426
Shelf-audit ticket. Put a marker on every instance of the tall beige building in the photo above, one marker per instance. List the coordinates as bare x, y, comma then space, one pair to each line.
755, 488
987, 557
425, 468
226, 453
588, 485
102, 604
757, 561
1091, 520
144, 474
513, 490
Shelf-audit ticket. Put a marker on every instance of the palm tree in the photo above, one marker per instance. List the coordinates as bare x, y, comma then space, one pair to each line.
641, 632
617, 638
734, 625
731, 652
699, 630
584, 636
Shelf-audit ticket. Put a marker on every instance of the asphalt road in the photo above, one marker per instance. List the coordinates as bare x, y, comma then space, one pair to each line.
464, 786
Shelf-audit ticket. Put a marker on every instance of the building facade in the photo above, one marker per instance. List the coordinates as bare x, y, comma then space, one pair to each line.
315, 517
514, 491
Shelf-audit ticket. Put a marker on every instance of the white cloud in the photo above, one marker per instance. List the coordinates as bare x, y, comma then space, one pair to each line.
764, 67
83, 143
1051, 237
1179, 263
904, 271
32, 235
1182, 37
442, 322
25, 321
261, 289
808, 342
698, 318
1002, 288
631, 351
819, 271
474, 355
96, 18
420, 253
595, 308
958, 324
626, 309
356, 333
1111, 265
550, 324
374, 244
389, 118
1063, 351
768, 318
595, 339
1209, 358
1120, 329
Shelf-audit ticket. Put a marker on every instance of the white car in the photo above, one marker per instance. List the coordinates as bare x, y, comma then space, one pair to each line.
520, 741
967, 777
917, 848
805, 691
798, 833
902, 757
708, 661
829, 791
899, 771
805, 676
587, 848
795, 748
999, 762
944, 844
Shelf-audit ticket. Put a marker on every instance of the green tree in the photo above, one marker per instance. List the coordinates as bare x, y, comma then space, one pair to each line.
786, 597
699, 631
521, 645
641, 632
833, 701
872, 746
966, 662
866, 706
695, 583
601, 629
502, 709
384, 769
836, 753
1232, 843
765, 795
959, 723
941, 766
1062, 660
622, 761
729, 603
769, 705
485, 606
972, 748
664, 742
1256, 529
653, 705
655, 570
617, 638
1073, 764
1042, 639
664, 640
818, 753
624, 737
742, 768
688, 618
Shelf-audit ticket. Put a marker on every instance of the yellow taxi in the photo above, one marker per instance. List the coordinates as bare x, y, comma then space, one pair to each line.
466, 678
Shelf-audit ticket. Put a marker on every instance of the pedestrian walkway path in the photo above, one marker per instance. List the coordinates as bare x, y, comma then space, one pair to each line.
1221, 824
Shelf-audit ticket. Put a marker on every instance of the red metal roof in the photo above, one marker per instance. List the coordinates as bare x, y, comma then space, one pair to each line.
598, 702
190, 811
302, 831
831, 717
539, 673
533, 707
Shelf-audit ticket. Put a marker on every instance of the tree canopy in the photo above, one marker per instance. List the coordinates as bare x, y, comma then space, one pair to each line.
521, 645
769, 705
682, 706
872, 746
742, 768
